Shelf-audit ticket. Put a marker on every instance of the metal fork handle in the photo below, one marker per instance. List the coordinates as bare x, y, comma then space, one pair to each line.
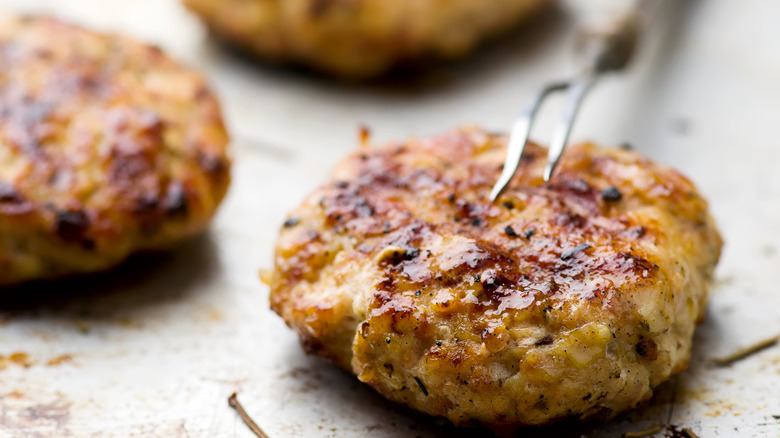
610, 45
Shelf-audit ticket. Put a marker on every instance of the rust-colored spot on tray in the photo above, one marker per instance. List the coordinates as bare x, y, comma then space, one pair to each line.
15, 394
19, 359
59, 360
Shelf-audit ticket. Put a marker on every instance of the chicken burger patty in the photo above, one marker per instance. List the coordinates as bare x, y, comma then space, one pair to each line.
107, 147
359, 38
573, 298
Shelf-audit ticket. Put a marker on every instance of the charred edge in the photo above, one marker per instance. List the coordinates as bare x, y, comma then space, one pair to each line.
470, 212
312, 345
571, 220
71, 226
9, 196
638, 263
387, 284
345, 206
494, 285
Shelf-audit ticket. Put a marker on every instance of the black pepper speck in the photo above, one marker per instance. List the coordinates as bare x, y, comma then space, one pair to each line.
611, 194
291, 222
571, 252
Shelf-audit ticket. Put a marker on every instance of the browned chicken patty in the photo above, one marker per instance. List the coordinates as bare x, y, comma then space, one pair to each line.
359, 38
573, 298
107, 147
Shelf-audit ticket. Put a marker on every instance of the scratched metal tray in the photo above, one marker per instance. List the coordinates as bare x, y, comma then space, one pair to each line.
155, 348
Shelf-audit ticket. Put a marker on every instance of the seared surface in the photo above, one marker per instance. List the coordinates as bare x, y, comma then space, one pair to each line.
359, 38
573, 298
107, 146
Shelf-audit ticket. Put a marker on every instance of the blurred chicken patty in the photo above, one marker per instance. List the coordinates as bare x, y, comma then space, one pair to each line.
573, 298
359, 38
107, 147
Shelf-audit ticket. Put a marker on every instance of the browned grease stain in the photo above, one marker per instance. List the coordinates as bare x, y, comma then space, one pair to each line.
59, 360
212, 315
706, 395
19, 359
23, 359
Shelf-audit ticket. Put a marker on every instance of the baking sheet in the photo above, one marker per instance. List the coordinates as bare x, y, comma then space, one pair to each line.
156, 347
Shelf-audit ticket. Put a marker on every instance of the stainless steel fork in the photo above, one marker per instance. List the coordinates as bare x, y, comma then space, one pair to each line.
603, 47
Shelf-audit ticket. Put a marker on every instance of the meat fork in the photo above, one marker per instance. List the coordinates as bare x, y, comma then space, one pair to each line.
602, 48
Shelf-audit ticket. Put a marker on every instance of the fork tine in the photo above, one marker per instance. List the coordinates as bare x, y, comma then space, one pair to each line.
574, 96
603, 48
518, 138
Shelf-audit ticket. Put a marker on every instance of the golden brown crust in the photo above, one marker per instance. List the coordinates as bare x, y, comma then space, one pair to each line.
107, 146
569, 298
359, 38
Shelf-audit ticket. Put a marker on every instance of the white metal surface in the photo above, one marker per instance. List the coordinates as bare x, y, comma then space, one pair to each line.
156, 348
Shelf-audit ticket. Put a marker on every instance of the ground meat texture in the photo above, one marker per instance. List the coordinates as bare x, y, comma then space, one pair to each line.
107, 147
360, 38
579, 316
